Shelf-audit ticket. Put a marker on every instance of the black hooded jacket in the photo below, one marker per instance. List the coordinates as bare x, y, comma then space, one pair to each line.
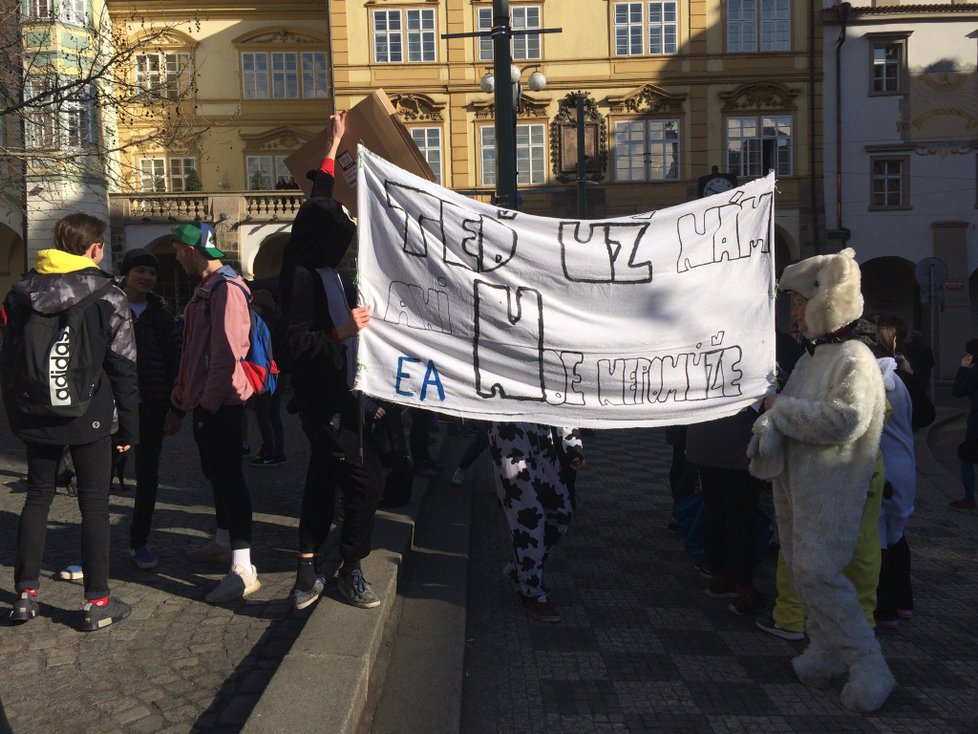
321, 234
110, 328
158, 343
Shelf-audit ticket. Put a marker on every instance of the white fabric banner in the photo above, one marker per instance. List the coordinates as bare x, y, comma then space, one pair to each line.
651, 319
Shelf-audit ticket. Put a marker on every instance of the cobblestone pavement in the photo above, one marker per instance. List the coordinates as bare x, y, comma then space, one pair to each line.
642, 649
177, 664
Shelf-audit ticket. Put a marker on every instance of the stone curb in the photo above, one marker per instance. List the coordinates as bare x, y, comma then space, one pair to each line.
321, 684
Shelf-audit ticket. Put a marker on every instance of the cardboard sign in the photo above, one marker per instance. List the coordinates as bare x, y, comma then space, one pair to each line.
374, 123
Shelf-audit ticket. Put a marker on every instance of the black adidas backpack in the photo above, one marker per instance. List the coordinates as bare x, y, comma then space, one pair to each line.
48, 364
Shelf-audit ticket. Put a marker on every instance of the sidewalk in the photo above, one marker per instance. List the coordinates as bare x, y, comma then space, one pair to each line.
179, 664
641, 649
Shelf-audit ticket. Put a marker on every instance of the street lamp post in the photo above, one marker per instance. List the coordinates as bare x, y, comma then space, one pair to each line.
507, 107
505, 104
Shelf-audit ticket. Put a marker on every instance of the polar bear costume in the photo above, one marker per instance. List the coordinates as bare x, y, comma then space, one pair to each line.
818, 444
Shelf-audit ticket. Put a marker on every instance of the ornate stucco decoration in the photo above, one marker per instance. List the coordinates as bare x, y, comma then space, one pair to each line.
527, 106
759, 96
565, 124
277, 139
649, 100
417, 107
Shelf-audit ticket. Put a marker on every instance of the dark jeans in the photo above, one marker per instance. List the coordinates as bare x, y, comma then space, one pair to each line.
334, 466
93, 467
151, 419
729, 508
268, 412
419, 434
894, 591
479, 443
218, 437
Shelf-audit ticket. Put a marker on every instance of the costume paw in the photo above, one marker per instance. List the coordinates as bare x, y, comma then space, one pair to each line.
870, 683
817, 667
766, 449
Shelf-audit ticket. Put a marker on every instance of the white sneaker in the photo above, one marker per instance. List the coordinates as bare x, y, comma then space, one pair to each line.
72, 572
239, 582
458, 477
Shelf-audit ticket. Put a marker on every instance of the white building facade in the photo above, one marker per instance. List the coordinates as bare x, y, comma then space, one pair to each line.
901, 159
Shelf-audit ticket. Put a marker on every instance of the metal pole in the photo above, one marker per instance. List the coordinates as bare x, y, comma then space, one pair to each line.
581, 160
933, 329
505, 110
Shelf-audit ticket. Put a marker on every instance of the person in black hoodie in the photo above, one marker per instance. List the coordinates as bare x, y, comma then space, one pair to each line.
158, 342
63, 277
320, 350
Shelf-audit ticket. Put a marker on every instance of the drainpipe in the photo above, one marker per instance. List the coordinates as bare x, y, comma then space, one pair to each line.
812, 120
842, 10
329, 61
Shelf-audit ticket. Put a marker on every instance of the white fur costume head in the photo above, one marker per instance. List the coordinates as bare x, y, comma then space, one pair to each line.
832, 286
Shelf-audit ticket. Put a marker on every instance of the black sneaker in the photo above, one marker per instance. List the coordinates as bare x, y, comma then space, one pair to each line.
753, 603
97, 617
265, 461
356, 590
721, 589
25, 608
767, 623
428, 468
302, 599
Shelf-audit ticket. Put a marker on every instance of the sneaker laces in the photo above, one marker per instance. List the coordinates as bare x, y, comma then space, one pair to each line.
359, 582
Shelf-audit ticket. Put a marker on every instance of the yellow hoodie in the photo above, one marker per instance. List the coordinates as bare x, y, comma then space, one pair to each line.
52, 261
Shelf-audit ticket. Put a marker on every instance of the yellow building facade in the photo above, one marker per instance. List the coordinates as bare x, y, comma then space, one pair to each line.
672, 89
239, 87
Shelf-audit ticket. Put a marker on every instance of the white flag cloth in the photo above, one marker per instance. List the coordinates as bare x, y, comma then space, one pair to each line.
651, 319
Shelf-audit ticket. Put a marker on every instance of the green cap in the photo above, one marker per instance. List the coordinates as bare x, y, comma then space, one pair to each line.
200, 236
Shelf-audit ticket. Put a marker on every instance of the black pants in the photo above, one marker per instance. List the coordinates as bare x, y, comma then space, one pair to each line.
151, 420
894, 591
479, 443
729, 508
218, 437
334, 466
268, 412
419, 434
93, 467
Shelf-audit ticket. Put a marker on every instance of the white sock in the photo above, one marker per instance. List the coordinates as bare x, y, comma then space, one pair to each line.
241, 557
223, 537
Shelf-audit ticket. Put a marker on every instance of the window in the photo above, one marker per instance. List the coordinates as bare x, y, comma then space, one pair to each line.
758, 25
285, 75
890, 183
73, 11
264, 170
392, 34
662, 28
77, 124
254, 75
628, 29
889, 63
314, 81
152, 174
182, 172
428, 140
647, 150
163, 74
276, 75
531, 153
70, 124
39, 9
756, 145
526, 47
161, 174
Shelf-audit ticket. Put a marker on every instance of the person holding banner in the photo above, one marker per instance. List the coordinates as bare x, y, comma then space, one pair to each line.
320, 348
535, 467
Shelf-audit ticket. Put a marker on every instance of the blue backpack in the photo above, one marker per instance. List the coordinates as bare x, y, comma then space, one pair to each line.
259, 363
